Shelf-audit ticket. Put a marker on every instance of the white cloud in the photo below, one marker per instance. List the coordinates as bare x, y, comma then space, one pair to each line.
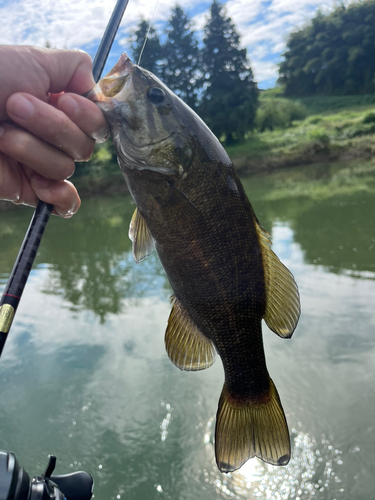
63, 24
264, 26
264, 70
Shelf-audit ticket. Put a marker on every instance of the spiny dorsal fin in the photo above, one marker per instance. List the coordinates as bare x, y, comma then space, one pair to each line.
143, 242
282, 298
186, 346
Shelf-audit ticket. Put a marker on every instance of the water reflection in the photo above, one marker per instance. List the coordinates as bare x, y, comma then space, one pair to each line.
330, 213
313, 469
331, 210
85, 375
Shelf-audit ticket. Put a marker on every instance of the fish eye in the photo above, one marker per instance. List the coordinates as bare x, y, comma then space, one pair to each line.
156, 95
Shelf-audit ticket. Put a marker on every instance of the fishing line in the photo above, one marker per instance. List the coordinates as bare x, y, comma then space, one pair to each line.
148, 32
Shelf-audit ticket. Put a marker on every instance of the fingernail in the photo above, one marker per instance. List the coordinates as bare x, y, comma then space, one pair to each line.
69, 213
101, 135
40, 181
69, 105
20, 106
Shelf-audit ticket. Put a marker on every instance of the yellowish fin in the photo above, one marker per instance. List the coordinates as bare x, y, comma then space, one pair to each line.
186, 346
245, 429
143, 242
282, 297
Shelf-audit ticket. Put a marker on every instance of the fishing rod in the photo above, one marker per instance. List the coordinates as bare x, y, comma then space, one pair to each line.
25, 259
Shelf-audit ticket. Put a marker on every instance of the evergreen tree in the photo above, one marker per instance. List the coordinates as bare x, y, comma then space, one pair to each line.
152, 52
230, 95
182, 57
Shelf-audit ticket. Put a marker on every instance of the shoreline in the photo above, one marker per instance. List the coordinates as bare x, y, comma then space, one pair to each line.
245, 166
310, 154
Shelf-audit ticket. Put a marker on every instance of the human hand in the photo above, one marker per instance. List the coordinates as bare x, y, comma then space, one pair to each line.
45, 125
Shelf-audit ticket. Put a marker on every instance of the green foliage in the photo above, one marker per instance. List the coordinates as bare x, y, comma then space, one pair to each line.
316, 138
278, 113
230, 95
333, 54
102, 163
314, 119
271, 93
369, 117
216, 81
356, 129
319, 135
329, 104
151, 53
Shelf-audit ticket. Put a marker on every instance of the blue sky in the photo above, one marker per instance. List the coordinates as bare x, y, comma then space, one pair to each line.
264, 25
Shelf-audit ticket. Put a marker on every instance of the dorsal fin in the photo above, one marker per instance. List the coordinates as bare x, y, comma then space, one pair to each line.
143, 242
282, 297
186, 346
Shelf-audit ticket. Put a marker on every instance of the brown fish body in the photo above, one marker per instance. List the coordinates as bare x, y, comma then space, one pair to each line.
208, 246
192, 207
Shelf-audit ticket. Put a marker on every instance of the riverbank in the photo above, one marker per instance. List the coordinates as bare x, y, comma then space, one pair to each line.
344, 131
335, 129
335, 135
311, 153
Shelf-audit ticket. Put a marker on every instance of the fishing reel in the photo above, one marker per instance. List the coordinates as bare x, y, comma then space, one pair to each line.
15, 483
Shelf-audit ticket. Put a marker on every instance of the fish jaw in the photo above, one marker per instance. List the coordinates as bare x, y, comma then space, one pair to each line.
107, 92
123, 67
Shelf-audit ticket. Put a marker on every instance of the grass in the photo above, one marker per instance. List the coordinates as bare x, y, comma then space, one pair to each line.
329, 104
346, 129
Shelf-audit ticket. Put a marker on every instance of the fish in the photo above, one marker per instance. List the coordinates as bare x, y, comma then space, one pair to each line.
192, 208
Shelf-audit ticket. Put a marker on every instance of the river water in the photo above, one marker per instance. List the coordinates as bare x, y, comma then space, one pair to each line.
84, 374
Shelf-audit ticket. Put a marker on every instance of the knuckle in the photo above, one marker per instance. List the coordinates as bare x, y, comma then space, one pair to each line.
84, 57
59, 125
19, 142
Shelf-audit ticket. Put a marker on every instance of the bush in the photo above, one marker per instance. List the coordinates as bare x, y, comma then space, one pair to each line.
314, 119
102, 163
369, 117
278, 113
319, 135
356, 130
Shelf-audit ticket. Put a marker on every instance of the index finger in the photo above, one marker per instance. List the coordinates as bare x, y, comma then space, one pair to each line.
67, 70
40, 72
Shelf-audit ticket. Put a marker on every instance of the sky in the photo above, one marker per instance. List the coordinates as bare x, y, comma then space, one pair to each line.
264, 25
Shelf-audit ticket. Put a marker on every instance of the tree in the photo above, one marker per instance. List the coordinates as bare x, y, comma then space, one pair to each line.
333, 54
182, 57
152, 52
230, 95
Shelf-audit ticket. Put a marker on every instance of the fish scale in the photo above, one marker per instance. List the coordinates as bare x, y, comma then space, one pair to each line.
192, 207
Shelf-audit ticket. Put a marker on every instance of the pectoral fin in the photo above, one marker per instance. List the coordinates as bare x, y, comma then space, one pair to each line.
282, 297
186, 346
143, 242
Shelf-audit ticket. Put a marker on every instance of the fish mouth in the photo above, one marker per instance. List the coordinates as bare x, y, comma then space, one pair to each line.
138, 157
112, 83
149, 144
123, 67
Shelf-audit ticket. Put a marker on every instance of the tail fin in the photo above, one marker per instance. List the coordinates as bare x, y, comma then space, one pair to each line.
245, 429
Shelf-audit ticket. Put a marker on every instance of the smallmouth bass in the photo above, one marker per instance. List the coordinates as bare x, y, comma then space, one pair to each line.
192, 208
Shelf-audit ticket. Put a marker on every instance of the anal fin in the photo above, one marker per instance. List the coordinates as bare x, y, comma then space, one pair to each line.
143, 242
186, 346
